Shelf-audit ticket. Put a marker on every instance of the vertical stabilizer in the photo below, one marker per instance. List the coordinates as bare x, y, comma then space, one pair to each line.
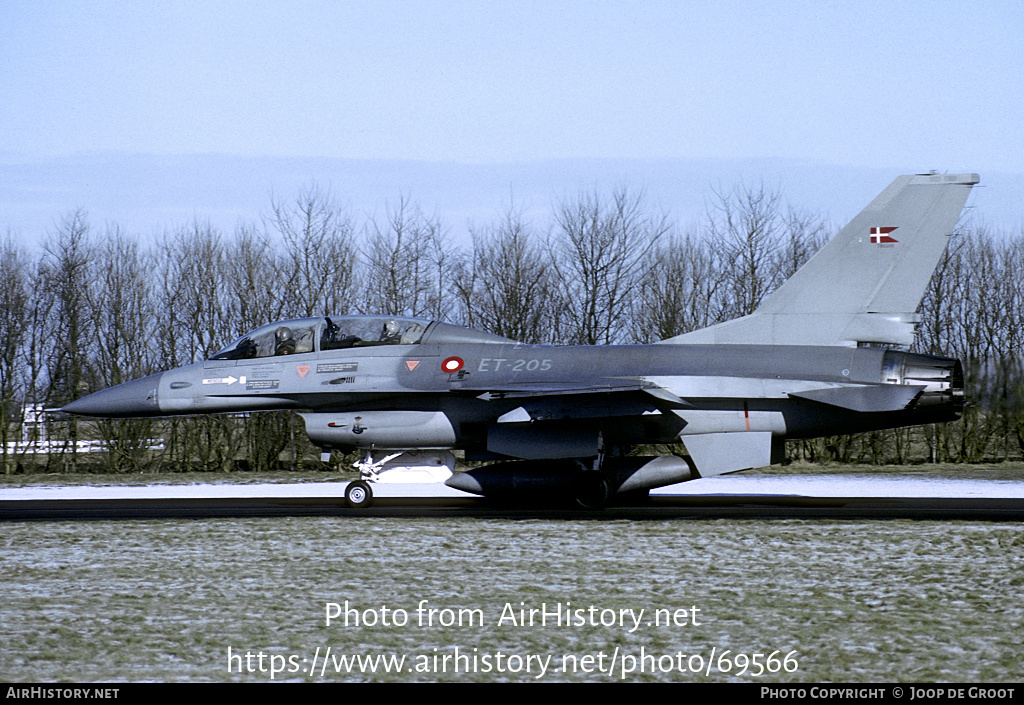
865, 284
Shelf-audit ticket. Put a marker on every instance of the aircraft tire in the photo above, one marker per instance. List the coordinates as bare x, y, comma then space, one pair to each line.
592, 490
358, 494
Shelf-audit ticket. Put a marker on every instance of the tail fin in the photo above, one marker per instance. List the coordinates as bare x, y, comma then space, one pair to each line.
865, 284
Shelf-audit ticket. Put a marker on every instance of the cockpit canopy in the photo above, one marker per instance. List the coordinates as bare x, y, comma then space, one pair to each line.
305, 335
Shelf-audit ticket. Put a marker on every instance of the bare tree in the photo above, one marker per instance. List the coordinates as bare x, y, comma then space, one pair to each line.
400, 256
67, 275
598, 253
253, 282
745, 225
197, 263
123, 340
14, 323
195, 300
504, 285
804, 233
123, 323
680, 290
442, 260
317, 267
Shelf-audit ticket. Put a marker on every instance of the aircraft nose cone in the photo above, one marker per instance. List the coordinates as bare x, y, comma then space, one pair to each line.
135, 398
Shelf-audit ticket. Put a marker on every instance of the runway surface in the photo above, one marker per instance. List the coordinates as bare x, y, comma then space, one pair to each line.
874, 496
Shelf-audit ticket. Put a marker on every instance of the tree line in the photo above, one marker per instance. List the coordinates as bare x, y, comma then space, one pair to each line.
93, 308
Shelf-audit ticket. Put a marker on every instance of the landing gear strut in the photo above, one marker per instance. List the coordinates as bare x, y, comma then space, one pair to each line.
401, 466
593, 487
370, 468
359, 494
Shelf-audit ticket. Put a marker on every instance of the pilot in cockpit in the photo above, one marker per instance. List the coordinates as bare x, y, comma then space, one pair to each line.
390, 333
284, 341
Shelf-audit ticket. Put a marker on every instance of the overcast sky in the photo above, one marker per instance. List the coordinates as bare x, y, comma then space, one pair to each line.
883, 85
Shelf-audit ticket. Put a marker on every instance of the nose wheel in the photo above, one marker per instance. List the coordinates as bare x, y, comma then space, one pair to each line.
358, 494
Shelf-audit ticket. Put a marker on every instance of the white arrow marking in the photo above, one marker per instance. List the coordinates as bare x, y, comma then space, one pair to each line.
221, 380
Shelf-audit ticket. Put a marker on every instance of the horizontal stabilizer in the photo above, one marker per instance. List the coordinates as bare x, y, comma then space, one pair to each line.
720, 453
868, 399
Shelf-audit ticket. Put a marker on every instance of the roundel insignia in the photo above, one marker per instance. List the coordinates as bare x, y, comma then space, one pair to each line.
452, 364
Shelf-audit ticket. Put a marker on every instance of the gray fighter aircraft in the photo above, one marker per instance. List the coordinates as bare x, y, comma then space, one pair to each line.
817, 358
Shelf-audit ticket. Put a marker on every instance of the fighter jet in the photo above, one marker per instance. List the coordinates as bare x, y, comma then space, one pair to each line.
823, 355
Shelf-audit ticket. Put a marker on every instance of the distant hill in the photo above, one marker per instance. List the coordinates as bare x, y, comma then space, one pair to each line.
148, 194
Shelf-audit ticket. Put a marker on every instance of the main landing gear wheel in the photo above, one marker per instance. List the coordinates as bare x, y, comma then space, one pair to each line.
358, 494
592, 490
